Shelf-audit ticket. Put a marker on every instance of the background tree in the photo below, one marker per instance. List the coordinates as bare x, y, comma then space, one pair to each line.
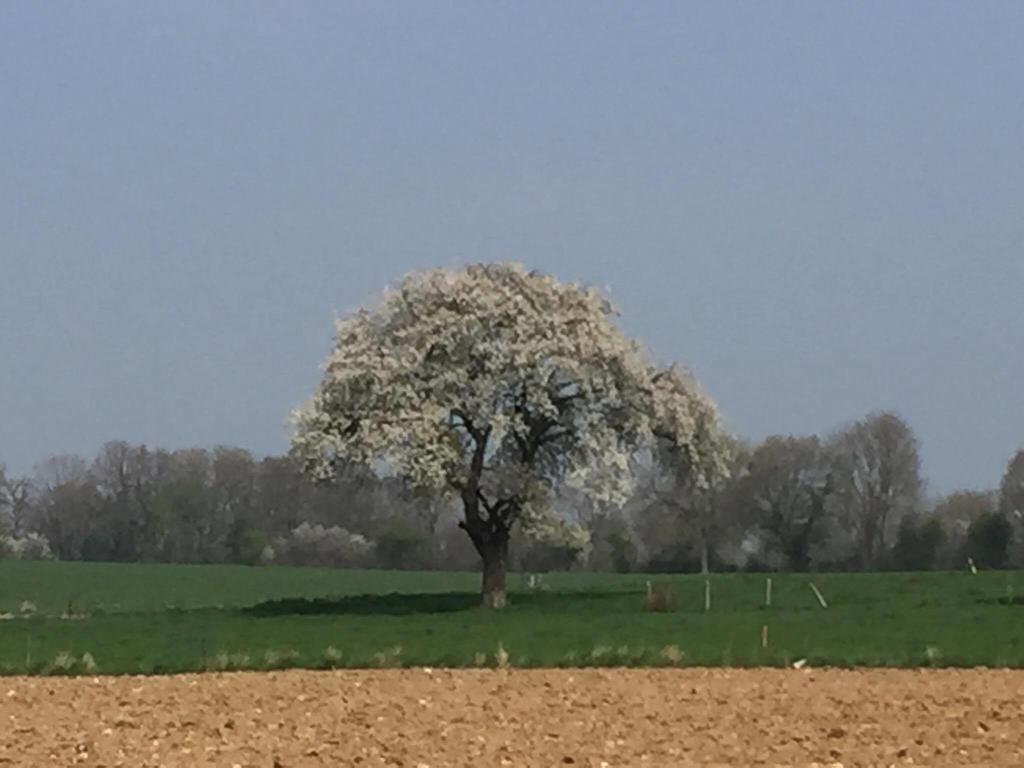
15, 504
6, 525
612, 542
989, 539
878, 474
1011, 503
66, 506
786, 494
920, 542
614, 545
492, 383
956, 513
1011, 489
184, 503
125, 478
234, 504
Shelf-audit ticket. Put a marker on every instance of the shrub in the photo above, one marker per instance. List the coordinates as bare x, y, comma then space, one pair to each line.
31, 546
501, 657
918, 544
250, 546
390, 657
65, 663
661, 598
400, 546
671, 654
268, 555
274, 659
316, 545
989, 539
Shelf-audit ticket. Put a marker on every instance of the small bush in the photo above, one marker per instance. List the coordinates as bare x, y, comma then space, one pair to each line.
32, 546
399, 545
501, 657
661, 598
279, 659
390, 657
315, 545
671, 654
250, 546
227, 662
65, 663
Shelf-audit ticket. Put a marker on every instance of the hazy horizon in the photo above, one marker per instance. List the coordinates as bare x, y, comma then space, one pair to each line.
815, 207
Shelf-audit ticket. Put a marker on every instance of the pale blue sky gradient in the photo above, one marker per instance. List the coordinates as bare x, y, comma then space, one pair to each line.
818, 206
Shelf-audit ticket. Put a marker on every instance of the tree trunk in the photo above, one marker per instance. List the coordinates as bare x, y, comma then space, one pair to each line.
495, 568
489, 534
490, 539
705, 566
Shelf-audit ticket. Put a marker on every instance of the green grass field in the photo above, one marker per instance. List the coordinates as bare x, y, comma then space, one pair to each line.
158, 619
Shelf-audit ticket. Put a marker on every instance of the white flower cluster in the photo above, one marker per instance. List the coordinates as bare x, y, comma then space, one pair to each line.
316, 545
690, 439
31, 546
540, 525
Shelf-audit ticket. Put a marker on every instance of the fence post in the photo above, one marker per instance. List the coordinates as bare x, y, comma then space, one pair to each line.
817, 594
707, 595
768, 592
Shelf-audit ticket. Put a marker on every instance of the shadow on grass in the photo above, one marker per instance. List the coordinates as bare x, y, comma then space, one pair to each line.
410, 604
1007, 601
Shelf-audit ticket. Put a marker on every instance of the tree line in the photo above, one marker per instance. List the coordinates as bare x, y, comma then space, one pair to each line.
131, 503
854, 500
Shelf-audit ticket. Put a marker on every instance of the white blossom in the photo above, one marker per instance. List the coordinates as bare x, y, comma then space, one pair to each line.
31, 546
316, 545
691, 442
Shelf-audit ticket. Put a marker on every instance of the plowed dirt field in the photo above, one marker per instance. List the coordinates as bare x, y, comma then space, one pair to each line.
418, 718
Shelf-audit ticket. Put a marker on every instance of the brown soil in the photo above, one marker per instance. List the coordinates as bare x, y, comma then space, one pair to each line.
419, 718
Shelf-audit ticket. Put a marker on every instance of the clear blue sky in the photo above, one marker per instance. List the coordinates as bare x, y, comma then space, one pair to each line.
818, 206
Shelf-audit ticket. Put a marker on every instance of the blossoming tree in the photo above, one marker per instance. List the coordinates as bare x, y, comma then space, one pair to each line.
693, 451
490, 383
